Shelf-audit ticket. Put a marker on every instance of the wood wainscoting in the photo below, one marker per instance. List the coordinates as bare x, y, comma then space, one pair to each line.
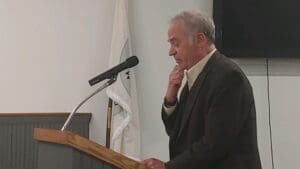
18, 149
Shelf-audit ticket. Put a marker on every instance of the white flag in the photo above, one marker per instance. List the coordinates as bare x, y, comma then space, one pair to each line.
125, 120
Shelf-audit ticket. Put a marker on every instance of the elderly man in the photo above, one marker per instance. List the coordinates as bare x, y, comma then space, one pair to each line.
212, 125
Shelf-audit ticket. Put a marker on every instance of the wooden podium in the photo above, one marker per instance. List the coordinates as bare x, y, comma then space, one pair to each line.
65, 150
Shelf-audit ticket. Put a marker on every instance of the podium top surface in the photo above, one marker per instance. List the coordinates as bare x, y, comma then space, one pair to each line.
87, 146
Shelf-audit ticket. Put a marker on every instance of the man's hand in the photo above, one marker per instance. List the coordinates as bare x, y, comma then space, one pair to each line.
153, 163
175, 79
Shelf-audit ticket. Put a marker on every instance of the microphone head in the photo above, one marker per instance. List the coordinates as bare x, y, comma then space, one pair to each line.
132, 61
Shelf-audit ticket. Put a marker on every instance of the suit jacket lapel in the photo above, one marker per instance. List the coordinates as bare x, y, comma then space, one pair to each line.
191, 99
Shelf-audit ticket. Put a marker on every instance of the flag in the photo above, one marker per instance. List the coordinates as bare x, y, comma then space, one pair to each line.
125, 136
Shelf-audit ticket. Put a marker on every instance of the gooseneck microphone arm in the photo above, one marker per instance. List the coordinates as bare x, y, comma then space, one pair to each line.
110, 74
108, 83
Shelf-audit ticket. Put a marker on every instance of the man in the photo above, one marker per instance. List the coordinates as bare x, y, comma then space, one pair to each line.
213, 123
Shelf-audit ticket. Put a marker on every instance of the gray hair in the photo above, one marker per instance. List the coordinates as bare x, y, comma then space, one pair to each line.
197, 22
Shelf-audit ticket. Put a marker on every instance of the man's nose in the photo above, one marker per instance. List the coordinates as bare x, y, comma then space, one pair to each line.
172, 51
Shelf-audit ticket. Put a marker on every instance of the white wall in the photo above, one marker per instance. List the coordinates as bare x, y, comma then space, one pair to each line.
48, 52
283, 101
50, 49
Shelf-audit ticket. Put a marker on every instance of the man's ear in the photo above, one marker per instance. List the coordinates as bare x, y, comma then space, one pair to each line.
201, 38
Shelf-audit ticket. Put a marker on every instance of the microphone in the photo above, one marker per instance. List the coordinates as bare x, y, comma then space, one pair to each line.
128, 63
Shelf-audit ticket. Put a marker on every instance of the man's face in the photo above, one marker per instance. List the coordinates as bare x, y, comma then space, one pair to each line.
182, 45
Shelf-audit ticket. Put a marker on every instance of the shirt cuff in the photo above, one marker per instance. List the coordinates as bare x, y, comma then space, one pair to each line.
169, 109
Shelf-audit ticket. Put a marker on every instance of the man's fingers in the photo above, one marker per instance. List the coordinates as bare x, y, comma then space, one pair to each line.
147, 161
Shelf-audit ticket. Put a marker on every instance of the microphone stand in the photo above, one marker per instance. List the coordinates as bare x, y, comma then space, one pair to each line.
108, 83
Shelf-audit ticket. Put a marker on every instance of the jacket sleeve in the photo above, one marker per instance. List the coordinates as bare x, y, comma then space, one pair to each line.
169, 121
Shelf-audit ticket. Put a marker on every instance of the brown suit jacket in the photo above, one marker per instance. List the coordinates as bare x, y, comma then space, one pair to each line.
214, 124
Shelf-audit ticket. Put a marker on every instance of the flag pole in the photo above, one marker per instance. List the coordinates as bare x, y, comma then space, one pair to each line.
108, 122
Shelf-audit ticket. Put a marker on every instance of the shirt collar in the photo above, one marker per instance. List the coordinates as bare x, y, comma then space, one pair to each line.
194, 71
